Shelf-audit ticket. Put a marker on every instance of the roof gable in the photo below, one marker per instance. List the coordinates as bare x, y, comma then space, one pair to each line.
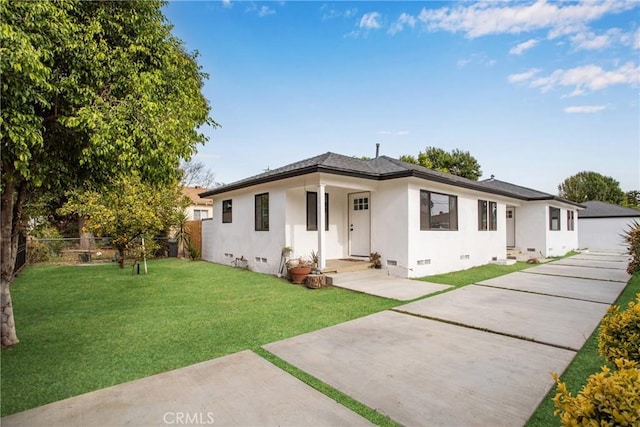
193, 193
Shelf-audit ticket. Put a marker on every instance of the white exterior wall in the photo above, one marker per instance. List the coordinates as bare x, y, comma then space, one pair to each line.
441, 251
531, 228
390, 225
533, 236
223, 243
603, 234
559, 242
303, 241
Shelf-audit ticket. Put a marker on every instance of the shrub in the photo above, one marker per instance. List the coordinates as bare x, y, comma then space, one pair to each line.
37, 252
608, 399
620, 333
632, 238
194, 253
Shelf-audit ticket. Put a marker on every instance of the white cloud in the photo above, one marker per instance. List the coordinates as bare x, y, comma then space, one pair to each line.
588, 40
227, 4
402, 133
485, 18
521, 47
404, 19
589, 77
265, 11
370, 21
332, 13
631, 39
521, 77
476, 58
584, 109
383, 132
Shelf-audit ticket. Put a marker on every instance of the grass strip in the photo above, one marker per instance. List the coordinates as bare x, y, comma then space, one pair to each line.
347, 401
472, 275
586, 362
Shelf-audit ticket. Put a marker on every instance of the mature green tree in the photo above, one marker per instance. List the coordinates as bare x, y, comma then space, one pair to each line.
131, 209
587, 185
632, 199
91, 91
456, 162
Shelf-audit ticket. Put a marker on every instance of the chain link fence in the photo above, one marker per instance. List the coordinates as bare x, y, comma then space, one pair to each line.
87, 250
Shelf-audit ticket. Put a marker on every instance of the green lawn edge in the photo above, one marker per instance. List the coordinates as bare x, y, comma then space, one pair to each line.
345, 400
586, 362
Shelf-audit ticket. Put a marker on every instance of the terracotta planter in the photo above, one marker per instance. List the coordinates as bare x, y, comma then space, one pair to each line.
298, 274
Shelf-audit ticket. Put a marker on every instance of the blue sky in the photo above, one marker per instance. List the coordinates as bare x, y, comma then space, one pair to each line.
536, 91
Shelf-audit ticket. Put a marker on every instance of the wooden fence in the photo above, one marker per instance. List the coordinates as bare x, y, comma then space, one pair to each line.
195, 234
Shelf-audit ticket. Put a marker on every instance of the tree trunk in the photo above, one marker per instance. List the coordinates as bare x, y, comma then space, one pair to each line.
11, 207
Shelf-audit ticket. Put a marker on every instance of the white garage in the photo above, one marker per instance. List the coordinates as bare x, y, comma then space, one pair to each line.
601, 225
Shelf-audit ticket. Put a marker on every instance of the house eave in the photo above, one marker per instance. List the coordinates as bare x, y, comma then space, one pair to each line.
471, 185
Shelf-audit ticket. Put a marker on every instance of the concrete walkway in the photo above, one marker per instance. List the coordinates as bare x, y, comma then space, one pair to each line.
241, 389
381, 284
457, 358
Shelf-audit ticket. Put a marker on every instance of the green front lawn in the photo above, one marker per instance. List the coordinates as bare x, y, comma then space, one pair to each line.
84, 328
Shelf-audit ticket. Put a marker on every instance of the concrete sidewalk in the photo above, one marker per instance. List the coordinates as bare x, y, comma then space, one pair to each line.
241, 389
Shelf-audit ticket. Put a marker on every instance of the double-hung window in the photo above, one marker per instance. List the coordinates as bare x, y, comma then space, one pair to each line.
571, 220
554, 219
487, 215
438, 211
262, 212
227, 211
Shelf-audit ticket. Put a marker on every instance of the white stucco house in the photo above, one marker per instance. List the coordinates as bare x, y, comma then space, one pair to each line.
421, 221
602, 224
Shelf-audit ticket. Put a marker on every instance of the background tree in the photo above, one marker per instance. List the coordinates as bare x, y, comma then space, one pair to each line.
632, 199
91, 91
456, 162
586, 186
196, 174
130, 210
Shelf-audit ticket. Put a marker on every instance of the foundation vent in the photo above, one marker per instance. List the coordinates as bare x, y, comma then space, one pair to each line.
392, 263
464, 257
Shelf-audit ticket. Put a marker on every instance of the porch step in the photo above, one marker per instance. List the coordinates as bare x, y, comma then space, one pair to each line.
346, 265
508, 261
350, 276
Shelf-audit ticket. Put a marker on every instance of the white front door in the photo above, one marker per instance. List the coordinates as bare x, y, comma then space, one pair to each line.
359, 224
511, 227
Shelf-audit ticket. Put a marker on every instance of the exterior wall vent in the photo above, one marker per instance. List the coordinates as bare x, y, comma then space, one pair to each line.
392, 263
531, 249
464, 256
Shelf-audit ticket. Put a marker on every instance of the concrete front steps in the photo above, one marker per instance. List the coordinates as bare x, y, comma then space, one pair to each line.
346, 265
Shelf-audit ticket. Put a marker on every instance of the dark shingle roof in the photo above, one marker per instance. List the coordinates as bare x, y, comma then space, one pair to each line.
382, 168
597, 209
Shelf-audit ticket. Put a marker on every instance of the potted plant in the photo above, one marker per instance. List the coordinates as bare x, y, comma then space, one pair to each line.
299, 269
314, 260
376, 259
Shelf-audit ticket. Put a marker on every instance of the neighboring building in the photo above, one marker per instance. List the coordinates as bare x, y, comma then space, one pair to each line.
602, 225
199, 208
421, 221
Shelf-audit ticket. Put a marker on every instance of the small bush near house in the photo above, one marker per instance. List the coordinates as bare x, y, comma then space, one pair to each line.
194, 253
632, 238
37, 252
620, 333
608, 399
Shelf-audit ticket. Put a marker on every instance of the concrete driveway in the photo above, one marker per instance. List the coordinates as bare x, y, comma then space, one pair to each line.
464, 357
476, 356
